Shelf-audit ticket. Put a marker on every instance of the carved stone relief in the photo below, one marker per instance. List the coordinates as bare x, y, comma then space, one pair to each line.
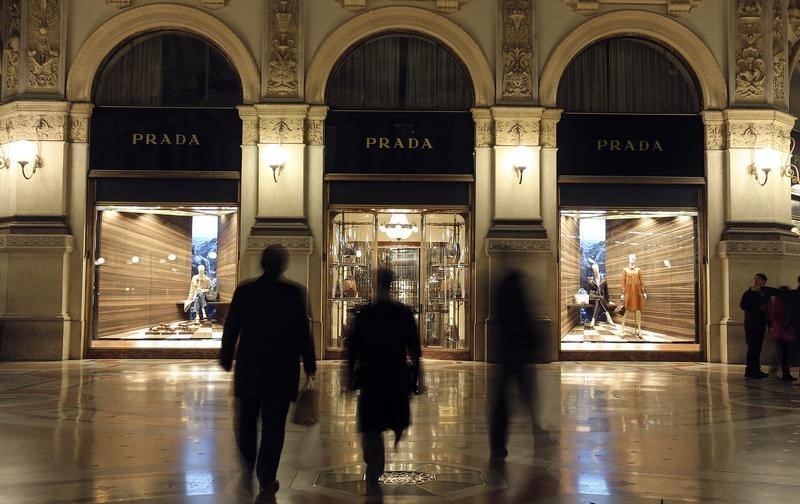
12, 46
484, 129
521, 132
30, 120
79, 122
750, 51
283, 64
547, 135
119, 4
214, 4
446, 6
517, 47
315, 125
281, 123
44, 43
763, 247
299, 243
518, 245
249, 118
674, 7
757, 133
714, 129
779, 52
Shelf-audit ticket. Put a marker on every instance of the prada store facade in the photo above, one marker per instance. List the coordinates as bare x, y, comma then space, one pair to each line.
621, 157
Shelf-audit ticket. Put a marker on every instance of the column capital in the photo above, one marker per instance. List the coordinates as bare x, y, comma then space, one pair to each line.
249, 117
281, 122
34, 120
516, 125
755, 128
315, 124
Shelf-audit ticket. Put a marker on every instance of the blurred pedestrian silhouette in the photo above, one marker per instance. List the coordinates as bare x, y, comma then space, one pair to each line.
780, 329
383, 363
754, 304
517, 345
268, 318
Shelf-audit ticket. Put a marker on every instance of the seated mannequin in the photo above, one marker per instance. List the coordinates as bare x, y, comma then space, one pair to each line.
200, 285
598, 291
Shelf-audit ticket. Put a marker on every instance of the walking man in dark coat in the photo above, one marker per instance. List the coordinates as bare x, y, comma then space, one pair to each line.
754, 303
384, 337
268, 318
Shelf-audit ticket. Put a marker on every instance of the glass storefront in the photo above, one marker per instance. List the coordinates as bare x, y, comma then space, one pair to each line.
163, 273
429, 254
628, 278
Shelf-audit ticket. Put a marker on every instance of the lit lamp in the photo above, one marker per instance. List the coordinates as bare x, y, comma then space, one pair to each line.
275, 157
398, 227
763, 161
24, 153
519, 161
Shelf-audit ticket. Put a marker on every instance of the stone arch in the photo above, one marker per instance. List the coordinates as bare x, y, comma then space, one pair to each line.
158, 17
393, 19
645, 24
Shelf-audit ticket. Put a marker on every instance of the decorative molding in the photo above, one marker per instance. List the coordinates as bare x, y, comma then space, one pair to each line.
21, 119
516, 81
516, 125
484, 128
400, 19
446, 6
22, 241
315, 125
148, 18
119, 4
296, 243
750, 72
547, 132
44, 44
79, 115
755, 128
283, 65
249, 117
779, 54
12, 48
214, 4
535, 245
674, 7
715, 129
646, 24
281, 123
761, 248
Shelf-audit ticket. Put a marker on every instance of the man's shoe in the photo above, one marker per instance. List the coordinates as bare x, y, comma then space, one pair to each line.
498, 454
788, 377
755, 376
265, 497
763, 374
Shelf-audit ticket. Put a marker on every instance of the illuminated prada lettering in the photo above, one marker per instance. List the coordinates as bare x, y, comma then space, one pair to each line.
164, 139
398, 143
616, 145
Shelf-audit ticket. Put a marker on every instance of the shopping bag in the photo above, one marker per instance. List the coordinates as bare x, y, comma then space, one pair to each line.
305, 408
186, 304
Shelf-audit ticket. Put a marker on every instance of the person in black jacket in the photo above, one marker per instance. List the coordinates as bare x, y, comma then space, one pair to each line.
268, 318
754, 303
383, 339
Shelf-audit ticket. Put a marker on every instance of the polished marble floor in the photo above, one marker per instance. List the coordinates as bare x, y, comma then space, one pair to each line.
146, 431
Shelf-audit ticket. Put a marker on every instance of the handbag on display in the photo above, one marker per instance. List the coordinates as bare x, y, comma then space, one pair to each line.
349, 287
451, 333
306, 406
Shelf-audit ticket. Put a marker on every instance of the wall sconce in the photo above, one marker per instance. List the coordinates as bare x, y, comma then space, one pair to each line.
767, 159
24, 152
275, 157
519, 161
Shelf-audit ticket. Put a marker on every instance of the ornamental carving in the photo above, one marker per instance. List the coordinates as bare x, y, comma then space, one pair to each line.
541, 245
12, 45
283, 64
119, 4
715, 134
523, 132
214, 4
301, 243
79, 122
315, 125
763, 247
446, 6
42, 241
484, 129
755, 134
44, 43
249, 118
517, 80
750, 52
547, 134
674, 7
779, 50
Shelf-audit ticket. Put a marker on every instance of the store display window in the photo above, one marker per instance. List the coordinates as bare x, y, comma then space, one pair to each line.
430, 257
628, 277
163, 273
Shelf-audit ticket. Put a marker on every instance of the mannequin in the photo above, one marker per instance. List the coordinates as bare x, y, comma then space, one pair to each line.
598, 290
633, 293
200, 285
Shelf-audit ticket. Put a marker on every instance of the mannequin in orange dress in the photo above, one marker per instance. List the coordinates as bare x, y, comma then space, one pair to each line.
633, 293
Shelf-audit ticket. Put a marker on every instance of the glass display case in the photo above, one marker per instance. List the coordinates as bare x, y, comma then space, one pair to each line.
428, 253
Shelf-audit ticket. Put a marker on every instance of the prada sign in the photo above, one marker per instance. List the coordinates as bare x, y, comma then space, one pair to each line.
165, 139
630, 145
399, 142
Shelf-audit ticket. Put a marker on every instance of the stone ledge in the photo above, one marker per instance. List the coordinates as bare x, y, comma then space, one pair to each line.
28, 241
291, 243
534, 245
752, 247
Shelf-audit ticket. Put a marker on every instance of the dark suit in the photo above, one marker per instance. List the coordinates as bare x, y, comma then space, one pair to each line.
383, 335
598, 291
268, 319
754, 305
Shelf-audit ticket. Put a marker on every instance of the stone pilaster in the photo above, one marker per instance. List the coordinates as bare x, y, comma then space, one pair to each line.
283, 51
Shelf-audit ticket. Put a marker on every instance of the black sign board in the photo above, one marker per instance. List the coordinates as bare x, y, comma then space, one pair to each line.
165, 139
631, 145
399, 142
